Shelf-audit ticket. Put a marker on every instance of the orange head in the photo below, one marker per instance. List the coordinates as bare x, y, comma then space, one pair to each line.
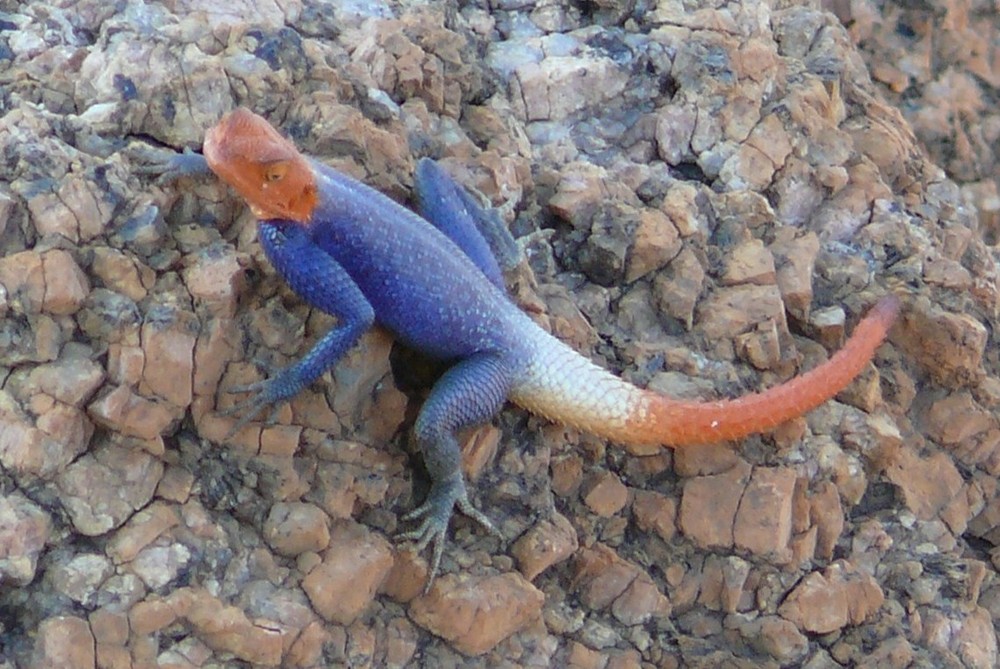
266, 169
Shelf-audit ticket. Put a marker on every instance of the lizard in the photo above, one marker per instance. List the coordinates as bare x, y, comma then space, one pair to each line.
434, 284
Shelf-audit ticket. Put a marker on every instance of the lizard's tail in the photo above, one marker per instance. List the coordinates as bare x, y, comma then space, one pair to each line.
564, 386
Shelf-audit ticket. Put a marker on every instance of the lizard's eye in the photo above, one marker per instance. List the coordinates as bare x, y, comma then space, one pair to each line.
275, 171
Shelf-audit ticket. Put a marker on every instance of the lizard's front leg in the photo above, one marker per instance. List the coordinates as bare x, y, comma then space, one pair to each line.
470, 393
323, 283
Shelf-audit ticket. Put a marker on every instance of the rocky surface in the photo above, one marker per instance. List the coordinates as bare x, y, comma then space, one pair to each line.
708, 198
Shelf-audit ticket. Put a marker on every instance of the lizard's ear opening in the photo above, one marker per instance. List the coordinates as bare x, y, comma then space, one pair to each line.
307, 200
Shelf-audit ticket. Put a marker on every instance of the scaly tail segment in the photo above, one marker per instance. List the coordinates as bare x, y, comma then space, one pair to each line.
565, 387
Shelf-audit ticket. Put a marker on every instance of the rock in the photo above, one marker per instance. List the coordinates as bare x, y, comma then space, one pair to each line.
546, 543
110, 631
122, 273
949, 347
829, 325
953, 633
367, 414
294, 528
141, 530
24, 530
895, 652
71, 379
213, 350
763, 522
130, 414
676, 290
567, 475
816, 606
80, 577
604, 494
976, 642
826, 602
827, 515
605, 253
152, 615
777, 637
747, 168
66, 286
674, 128
656, 243
760, 347
63, 425
176, 484
103, 488
476, 613
795, 264
559, 86
927, 484
23, 278
706, 460
655, 512
709, 505
407, 578
581, 190
125, 363
957, 421
26, 449
63, 642
307, 649
353, 569
215, 279
732, 311
50, 281
168, 339
225, 628
351, 474
603, 580
480, 451
159, 565
749, 262
75, 209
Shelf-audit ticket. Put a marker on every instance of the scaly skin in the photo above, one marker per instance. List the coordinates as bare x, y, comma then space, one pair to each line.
356, 254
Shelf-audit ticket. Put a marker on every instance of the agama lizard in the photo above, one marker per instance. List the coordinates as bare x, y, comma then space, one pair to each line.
356, 254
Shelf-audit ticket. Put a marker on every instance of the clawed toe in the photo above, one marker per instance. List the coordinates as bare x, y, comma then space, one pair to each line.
250, 408
436, 513
466, 507
430, 532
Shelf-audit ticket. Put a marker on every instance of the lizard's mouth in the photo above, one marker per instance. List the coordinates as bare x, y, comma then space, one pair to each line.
266, 169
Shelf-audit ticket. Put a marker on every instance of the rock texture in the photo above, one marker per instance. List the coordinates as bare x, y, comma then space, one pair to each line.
707, 196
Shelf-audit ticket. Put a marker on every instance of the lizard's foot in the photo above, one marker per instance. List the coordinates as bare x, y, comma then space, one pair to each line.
504, 247
185, 164
436, 513
269, 392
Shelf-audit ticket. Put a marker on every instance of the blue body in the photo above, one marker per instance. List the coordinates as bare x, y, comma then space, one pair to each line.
437, 287
421, 286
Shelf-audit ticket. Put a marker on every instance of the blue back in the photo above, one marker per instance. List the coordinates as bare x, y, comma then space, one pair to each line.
422, 286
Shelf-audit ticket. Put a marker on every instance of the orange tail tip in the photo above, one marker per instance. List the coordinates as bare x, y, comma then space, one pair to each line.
663, 420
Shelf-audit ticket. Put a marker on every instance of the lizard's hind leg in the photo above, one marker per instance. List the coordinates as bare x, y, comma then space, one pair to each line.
480, 234
470, 393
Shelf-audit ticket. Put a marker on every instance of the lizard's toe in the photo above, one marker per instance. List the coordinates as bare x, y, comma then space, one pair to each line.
436, 513
466, 507
432, 531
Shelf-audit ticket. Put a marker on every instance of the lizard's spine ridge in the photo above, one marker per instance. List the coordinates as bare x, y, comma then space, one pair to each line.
564, 386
